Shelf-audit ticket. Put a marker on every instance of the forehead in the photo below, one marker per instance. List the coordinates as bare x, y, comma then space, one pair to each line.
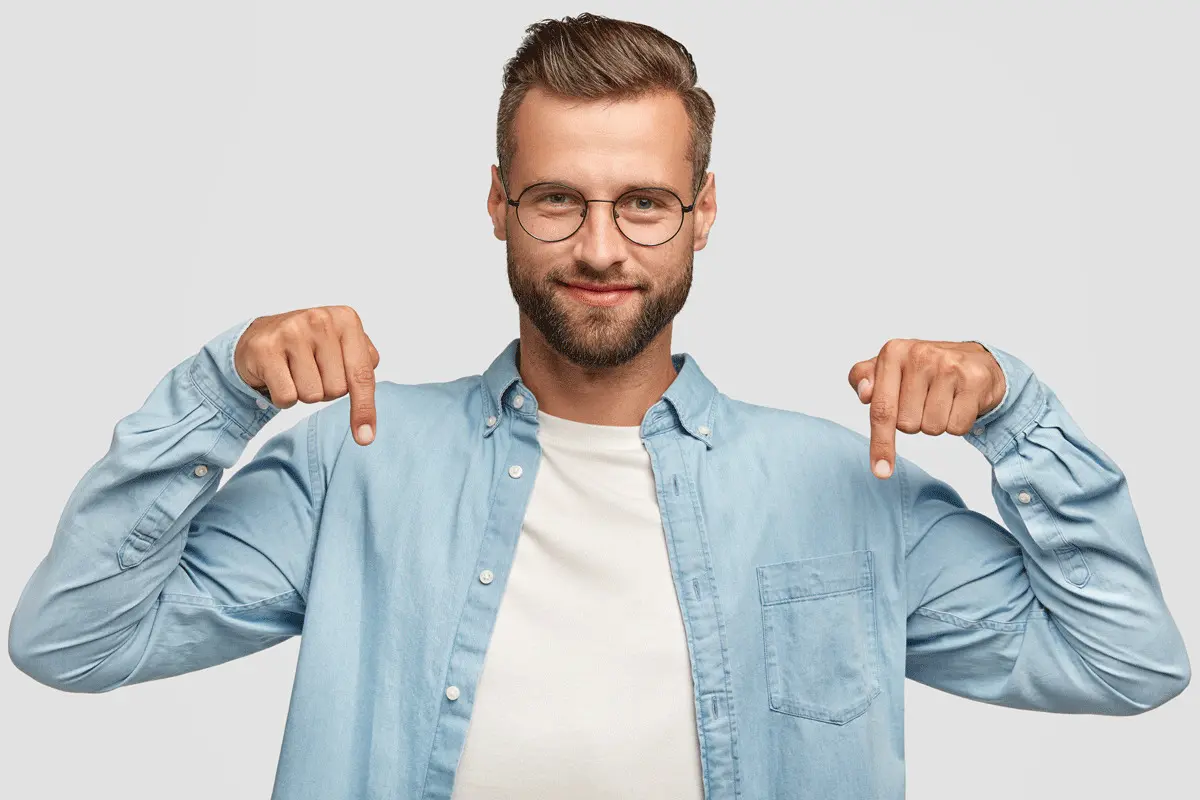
600, 144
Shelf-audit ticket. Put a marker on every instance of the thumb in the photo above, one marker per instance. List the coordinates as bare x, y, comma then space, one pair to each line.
866, 383
371, 349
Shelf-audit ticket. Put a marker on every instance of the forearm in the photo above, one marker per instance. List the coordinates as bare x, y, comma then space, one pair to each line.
119, 539
1073, 618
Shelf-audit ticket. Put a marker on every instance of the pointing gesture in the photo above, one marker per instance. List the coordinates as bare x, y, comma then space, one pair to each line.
915, 385
311, 355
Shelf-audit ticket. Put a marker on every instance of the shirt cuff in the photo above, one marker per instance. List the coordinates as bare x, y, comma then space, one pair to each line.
215, 375
1024, 402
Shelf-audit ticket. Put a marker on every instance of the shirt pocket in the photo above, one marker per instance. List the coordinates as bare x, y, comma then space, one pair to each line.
819, 635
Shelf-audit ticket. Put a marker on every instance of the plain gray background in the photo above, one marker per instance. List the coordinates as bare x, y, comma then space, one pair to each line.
1020, 173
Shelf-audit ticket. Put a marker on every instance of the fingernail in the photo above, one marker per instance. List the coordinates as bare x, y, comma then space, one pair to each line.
882, 469
862, 385
365, 434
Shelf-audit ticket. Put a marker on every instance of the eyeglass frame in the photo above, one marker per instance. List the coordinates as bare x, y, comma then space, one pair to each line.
583, 217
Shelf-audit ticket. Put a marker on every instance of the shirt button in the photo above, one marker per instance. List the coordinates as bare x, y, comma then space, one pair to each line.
491, 421
485, 576
261, 403
1023, 497
978, 431
704, 430
452, 692
515, 470
518, 401
200, 471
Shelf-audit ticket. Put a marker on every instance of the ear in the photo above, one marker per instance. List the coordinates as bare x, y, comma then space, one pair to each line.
705, 211
498, 206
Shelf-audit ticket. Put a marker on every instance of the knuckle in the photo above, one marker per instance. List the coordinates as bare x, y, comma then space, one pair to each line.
922, 356
258, 347
284, 398
362, 374
978, 373
319, 319
294, 329
347, 314
971, 371
882, 412
335, 385
891, 347
311, 394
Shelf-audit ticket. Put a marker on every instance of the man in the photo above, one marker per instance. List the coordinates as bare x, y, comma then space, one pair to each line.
586, 572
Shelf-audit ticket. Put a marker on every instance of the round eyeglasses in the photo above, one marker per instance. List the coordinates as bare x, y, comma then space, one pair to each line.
551, 212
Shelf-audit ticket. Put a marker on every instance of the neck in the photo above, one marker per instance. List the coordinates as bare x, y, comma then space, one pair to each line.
603, 396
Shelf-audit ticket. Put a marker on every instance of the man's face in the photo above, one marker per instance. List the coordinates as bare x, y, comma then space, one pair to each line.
601, 148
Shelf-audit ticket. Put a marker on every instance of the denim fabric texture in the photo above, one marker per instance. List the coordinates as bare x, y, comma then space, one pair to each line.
809, 588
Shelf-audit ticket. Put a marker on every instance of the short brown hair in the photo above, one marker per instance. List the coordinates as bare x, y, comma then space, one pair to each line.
593, 57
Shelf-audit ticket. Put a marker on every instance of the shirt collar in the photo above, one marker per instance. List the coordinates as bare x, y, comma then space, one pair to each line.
691, 396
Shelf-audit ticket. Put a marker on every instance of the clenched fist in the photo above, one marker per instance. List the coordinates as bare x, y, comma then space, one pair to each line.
311, 355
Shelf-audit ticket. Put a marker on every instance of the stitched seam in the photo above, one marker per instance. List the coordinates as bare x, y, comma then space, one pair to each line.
902, 474
1039, 407
193, 600
669, 532
806, 597
729, 712
142, 554
316, 485
433, 740
1047, 513
961, 622
211, 395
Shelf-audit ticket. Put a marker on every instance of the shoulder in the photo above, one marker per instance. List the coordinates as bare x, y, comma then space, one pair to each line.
405, 410
753, 423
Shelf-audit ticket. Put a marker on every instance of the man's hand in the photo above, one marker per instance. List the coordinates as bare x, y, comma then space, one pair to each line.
917, 385
311, 355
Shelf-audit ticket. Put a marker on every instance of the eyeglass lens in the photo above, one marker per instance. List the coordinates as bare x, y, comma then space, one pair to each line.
552, 212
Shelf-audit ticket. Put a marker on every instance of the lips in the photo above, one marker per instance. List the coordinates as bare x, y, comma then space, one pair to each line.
604, 295
602, 287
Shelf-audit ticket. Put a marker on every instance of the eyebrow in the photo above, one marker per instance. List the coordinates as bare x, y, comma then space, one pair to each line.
620, 190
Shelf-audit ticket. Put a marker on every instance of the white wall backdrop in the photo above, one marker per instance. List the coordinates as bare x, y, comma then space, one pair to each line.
1021, 173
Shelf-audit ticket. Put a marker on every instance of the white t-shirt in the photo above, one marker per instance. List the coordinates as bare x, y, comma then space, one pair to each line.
586, 689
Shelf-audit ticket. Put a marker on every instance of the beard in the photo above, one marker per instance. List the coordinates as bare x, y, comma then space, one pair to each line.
595, 336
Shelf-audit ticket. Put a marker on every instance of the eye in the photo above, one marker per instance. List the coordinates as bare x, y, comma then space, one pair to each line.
551, 198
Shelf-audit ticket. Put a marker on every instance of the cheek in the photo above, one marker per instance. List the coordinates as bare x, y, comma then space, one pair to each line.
537, 264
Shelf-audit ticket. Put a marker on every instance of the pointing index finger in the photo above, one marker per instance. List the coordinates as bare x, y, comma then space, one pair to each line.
885, 399
360, 378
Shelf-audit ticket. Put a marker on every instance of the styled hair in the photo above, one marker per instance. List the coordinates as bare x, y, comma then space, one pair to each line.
592, 57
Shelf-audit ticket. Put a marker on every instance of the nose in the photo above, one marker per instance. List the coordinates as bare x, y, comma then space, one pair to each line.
599, 242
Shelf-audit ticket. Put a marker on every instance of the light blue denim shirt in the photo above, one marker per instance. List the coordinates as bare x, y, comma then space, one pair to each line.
809, 588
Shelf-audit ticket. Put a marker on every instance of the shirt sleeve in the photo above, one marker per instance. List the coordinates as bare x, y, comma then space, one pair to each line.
1060, 609
153, 570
